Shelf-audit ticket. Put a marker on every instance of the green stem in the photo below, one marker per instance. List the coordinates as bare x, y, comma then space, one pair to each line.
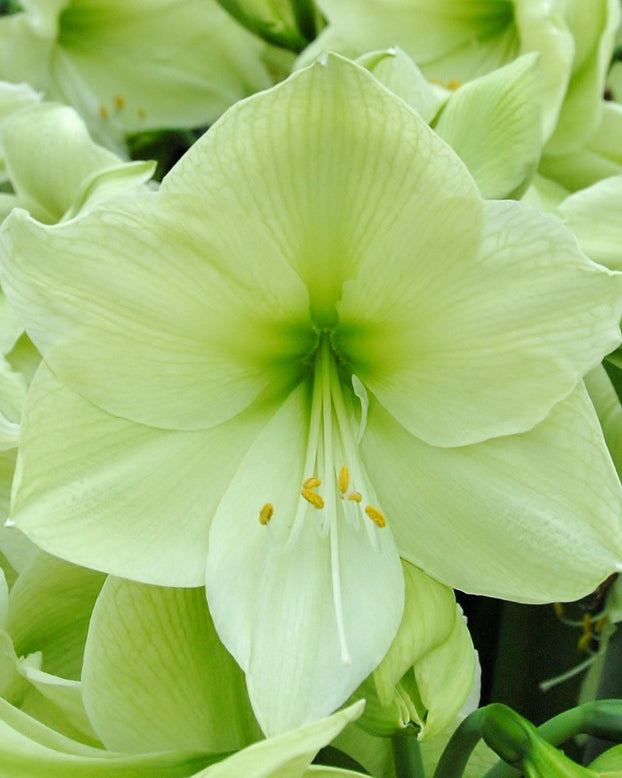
461, 744
407, 757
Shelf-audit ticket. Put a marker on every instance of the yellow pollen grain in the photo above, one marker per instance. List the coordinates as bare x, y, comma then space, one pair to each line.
119, 102
355, 497
311, 483
313, 497
376, 515
344, 479
266, 513
103, 112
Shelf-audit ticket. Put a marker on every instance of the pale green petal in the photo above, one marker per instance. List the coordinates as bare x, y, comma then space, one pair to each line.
317, 771
154, 63
16, 548
494, 124
49, 610
118, 496
595, 216
397, 71
532, 517
48, 154
58, 703
156, 677
609, 410
26, 43
14, 97
31, 750
334, 185
181, 319
444, 678
428, 672
593, 27
286, 755
466, 348
307, 616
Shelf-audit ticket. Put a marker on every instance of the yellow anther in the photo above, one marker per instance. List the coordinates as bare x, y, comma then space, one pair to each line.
119, 102
141, 113
266, 513
453, 84
103, 112
584, 641
313, 497
344, 479
559, 609
376, 515
311, 483
355, 497
598, 627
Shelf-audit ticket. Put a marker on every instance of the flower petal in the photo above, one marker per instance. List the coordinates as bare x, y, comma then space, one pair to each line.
157, 678
171, 324
332, 185
307, 617
117, 496
595, 216
532, 517
463, 348
494, 124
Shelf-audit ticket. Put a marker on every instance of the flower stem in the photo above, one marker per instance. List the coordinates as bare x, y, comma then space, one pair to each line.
407, 757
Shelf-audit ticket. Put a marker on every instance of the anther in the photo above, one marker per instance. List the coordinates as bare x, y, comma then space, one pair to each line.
266, 513
313, 497
311, 483
344, 479
376, 515
103, 112
355, 497
119, 102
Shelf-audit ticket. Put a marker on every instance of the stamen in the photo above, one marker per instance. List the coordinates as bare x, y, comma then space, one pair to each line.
266, 513
355, 497
376, 515
344, 479
119, 102
313, 497
311, 483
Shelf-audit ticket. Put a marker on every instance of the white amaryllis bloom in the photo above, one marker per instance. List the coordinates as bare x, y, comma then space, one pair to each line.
128, 67
314, 350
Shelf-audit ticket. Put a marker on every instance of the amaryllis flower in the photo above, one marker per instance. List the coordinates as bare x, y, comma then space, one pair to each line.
314, 350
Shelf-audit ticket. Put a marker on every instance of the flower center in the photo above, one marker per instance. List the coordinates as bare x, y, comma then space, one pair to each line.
335, 486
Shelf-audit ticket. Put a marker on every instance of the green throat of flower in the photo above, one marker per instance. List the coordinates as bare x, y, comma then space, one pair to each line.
335, 487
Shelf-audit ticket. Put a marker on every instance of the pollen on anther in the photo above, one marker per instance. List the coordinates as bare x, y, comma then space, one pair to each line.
103, 112
266, 513
376, 515
313, 497
311, 483
355, 497
119, 102
344, 479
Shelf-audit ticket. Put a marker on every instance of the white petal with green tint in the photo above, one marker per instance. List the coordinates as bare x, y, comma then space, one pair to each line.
175, 323
31, 750
307, 610
157, 678
532, 517
118, 496
469, 347
48, 154
494, 124
595, 216
330, 184
49, 610
286, 755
